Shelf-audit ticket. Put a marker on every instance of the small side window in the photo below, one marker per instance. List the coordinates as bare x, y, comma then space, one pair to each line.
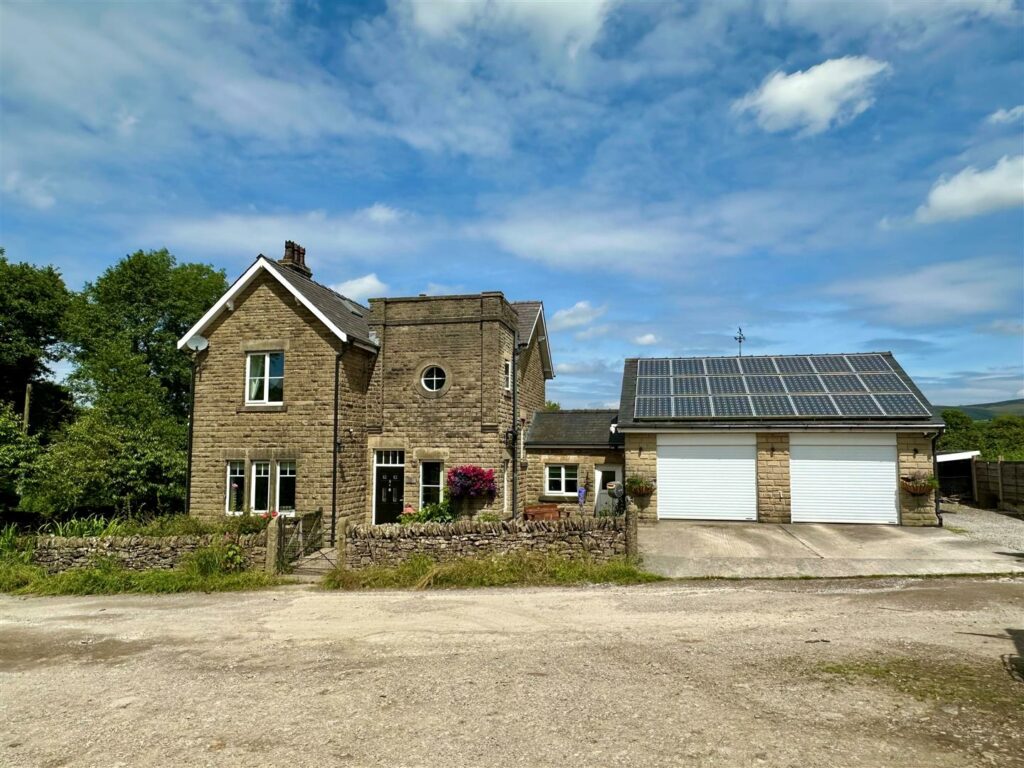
234, 503
260, 487
508, 375
286, 487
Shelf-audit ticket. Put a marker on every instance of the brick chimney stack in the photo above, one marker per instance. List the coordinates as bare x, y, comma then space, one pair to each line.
295, 258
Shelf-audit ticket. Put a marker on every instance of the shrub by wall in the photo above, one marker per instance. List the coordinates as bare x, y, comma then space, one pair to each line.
138, 553
600, 539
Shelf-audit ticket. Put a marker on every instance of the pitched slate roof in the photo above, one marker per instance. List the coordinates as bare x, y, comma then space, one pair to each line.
579, 428
345, 313
527, 312
343, 317
627, 403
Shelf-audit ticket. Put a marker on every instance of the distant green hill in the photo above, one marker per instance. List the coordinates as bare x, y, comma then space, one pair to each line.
987, 411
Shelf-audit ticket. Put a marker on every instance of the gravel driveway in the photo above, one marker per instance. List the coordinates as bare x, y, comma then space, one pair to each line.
701, 674
984, 525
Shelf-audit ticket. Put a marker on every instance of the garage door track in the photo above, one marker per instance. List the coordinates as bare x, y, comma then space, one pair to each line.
685, 549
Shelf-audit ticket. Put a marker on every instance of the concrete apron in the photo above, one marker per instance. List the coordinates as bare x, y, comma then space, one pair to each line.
684, 549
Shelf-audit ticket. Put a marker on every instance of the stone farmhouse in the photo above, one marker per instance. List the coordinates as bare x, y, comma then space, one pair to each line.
304, 400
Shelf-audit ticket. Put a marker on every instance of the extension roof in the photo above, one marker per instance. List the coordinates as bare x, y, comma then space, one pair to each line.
574, 429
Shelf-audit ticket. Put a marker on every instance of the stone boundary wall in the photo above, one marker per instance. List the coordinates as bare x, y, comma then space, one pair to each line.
599, 538
137, 553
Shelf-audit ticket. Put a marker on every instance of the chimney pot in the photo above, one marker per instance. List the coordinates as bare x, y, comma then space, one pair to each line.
295, 258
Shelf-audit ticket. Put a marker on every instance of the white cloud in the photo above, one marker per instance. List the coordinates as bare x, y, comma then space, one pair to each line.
325, 236
973, 193
593, 332
362, 288
1004, 327
814, 100
1006, 115
379, 213
33, 192
579, 314
646, 340
936, 294
567, 25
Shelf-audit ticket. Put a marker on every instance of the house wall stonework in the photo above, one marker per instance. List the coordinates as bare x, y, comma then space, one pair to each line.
773, 489
642, 459
537, 460
915, 454
266, 317
469, 337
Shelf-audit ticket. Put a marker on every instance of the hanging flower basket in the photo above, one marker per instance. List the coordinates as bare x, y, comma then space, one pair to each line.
640, 486
918, 486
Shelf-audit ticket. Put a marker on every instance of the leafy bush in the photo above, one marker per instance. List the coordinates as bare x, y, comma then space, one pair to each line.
13, 546
515, 569
489, 517
639, 485
441, 512
471, 482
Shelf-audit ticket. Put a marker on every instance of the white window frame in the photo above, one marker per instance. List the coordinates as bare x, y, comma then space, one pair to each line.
227, 487
265, 400
281, 465
561, 468
440, 481
508, 375
423, 379
252, 488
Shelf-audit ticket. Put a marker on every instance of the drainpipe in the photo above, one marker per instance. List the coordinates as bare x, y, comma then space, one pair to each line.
334, 446
515, 425
191, 424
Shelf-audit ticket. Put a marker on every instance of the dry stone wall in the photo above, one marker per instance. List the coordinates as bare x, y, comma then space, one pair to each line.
137, 553
598, 538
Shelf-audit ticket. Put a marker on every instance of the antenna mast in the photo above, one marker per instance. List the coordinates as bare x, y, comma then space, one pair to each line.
740, 338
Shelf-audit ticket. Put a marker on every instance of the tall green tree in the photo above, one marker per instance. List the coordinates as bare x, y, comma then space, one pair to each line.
33, 303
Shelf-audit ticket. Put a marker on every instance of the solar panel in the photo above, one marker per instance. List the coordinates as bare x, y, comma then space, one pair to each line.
858, 386
757, 365
814, 405
690, 385
653, 408
691, 407
726, 385
654, 368
794, 365
902, 405
721, 366
803, 384
765, 384
842, 382
687, 366
772, 405
732, 406
884, 382
868, 363
830, 364
652, 386
857, 405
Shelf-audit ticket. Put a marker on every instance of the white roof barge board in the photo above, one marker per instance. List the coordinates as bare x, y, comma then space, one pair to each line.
263, 264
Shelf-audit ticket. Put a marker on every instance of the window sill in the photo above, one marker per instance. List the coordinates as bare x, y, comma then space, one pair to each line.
560, 498
259, 408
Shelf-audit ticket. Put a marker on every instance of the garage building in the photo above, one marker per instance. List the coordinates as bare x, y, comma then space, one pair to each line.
800, 438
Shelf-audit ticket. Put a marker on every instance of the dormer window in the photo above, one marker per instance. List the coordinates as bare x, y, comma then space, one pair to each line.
264, 374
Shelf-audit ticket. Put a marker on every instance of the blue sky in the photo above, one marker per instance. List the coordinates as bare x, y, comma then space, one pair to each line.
834, 177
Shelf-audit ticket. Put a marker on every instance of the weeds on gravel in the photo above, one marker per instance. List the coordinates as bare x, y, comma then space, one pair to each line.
985, 687
516, 569
212, 569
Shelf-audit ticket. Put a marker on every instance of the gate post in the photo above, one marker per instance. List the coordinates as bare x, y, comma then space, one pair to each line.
272, 566
339, 543
632, 546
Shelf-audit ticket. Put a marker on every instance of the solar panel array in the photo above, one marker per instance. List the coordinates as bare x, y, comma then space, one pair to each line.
813, 386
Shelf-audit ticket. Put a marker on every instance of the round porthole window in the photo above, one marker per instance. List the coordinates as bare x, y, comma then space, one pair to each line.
433, 378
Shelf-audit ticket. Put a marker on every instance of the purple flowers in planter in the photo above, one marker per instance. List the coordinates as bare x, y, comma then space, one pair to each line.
470, 482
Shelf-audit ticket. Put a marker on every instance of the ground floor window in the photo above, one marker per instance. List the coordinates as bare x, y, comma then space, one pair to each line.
431, 473
562, 479
235, 499
286, 487
260, 501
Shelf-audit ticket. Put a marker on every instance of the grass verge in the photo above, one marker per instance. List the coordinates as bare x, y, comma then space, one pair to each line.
526, 570
203, 571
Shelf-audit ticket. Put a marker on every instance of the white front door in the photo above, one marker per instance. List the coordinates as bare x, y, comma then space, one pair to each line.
707, 476
604, 504
844, 478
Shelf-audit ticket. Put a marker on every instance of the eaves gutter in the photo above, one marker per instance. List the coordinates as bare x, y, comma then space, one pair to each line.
762, 427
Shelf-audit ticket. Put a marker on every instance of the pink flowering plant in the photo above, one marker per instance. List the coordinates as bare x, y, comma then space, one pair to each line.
469, 482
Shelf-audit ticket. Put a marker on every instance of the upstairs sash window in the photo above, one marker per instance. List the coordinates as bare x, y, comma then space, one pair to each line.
264, 378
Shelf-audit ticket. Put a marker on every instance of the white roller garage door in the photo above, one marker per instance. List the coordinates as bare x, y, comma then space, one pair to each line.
707, 477
844, 478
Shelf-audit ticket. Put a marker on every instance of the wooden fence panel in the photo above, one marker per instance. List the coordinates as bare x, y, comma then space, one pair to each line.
1000, 483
